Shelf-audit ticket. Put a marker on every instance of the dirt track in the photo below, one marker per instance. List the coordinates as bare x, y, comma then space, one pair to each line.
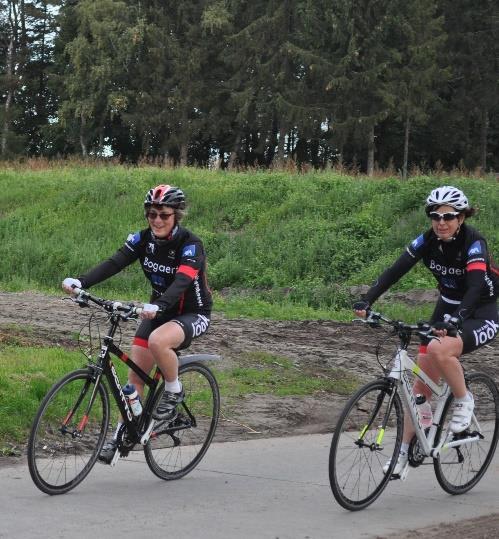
312, 345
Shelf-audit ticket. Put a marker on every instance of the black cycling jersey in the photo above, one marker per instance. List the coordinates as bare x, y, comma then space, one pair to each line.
175, 267
462, 268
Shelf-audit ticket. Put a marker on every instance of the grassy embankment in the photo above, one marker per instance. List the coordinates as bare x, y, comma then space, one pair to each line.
280, 246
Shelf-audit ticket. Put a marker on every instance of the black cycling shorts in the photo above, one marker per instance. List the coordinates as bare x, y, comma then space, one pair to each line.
476, 331
193, 324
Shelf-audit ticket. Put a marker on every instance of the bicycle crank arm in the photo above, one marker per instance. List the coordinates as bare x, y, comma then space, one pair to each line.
147, 434
115, 458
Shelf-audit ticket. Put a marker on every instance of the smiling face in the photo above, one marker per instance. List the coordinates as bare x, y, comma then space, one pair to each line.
161, 219
446, 229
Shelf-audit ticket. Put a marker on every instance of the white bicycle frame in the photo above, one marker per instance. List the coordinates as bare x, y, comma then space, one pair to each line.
402, 365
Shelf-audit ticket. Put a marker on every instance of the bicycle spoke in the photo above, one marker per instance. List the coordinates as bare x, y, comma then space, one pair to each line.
174, 450
459, 469
60, 455
356, 459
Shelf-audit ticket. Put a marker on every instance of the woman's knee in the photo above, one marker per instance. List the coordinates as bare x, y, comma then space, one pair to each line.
166, 337
443, 352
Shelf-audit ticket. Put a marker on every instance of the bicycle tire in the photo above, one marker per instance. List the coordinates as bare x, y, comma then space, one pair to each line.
176, 448
459, 469
356, 471
59, 458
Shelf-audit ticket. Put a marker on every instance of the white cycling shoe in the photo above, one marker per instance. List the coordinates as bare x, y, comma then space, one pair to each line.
462, 415
401, 468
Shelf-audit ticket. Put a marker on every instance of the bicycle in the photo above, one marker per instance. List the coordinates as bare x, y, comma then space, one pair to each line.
72, 421
369, 430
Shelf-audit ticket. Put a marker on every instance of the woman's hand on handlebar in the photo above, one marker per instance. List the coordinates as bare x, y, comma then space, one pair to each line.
449, 327
69, 284
149, 311
361, 308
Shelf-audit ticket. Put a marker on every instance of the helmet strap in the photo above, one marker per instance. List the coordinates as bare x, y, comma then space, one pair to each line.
171, 235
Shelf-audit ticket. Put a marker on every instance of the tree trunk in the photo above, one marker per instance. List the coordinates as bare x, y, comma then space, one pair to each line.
183, 154
83, 139
100, 151
370, 152
484, 131
406, 146
272, 145
8, 101
145, 144
280, 145
234, 152
259, 150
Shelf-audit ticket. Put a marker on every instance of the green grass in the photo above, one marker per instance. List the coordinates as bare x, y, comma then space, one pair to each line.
313, 235
264, 373
257, 308
27, 373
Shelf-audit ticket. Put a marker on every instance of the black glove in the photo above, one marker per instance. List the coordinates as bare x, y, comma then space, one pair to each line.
456, 321
361, 305
451, 324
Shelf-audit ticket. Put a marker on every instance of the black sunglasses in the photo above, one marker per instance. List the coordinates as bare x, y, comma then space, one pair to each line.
163, 216
449, 216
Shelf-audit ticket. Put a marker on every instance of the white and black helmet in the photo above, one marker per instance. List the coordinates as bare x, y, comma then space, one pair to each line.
447, 195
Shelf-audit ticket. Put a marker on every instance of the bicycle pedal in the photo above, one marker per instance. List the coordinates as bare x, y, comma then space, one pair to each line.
402, 476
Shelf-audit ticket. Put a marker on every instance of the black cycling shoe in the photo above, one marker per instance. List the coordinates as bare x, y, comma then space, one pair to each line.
167, 406
107, 452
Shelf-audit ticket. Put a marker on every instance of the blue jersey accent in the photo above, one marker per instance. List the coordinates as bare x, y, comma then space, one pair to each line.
448, 282
189, 250
158, 280
416, 244
475, 249
133, 239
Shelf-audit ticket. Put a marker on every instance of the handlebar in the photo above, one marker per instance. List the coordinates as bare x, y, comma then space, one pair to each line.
126, 311
423, 329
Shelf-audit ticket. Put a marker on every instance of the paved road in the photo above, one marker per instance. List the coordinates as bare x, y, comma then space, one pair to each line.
269, 488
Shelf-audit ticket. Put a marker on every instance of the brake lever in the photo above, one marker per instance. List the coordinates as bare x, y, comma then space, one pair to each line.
81, 302
372, 322
131, 314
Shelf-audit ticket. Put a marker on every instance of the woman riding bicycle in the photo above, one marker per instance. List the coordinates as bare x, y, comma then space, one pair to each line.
458, 257
173, 260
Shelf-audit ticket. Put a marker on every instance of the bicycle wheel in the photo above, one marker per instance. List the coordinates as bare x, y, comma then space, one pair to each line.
458, 469
360, 448
65, 442
176, 447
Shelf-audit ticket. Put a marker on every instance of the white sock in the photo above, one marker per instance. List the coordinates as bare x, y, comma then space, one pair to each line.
173, 387
467, 398
118, 427
404, 448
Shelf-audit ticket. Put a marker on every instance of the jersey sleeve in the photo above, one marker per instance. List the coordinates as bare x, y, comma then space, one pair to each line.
476, 278
398, 269
191, 262
122, 258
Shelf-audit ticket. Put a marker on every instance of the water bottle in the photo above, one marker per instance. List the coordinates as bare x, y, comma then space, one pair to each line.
424, 411
133, 399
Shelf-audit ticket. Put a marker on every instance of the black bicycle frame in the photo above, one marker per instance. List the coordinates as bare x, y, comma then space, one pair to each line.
106, 367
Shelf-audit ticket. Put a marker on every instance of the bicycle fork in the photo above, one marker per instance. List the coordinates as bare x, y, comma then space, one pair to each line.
80, 427
377, 445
